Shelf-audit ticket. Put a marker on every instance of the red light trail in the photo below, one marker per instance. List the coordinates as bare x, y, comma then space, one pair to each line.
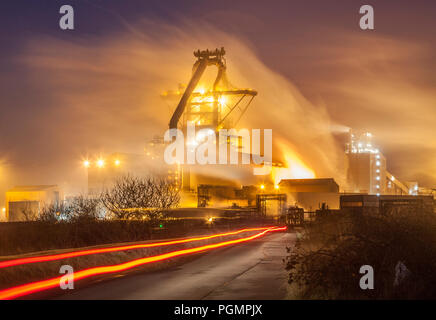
33, 287
21, 261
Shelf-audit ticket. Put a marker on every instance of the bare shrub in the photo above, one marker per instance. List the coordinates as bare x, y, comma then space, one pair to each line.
84, 207
140, 198
326, 261
53, 212
80, 208
28, 213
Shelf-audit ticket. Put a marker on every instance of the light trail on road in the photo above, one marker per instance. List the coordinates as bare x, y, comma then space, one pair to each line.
60, 256
26, 289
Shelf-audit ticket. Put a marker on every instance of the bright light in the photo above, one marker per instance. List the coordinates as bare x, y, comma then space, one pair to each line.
86, 163
201, 90
377, 178
117, 162
222, 100
100, 163
276, 187
210, 219
262, 186
3, 210
377, 186
192, 143
200, 136
294, 167
416, 188
393, 178
377, 163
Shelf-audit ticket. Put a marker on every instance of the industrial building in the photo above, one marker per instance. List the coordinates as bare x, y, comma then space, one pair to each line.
26, 202
311, 194
369, 186
211, 107
220, 106
366, 169
386, 204
226, 196
366, 165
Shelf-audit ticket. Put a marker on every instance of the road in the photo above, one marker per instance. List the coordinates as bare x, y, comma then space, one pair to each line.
252, 270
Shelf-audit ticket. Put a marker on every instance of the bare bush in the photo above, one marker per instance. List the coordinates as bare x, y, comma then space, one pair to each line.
54, 212
77, 209
28, 213
140, 198
84, 207
325, 262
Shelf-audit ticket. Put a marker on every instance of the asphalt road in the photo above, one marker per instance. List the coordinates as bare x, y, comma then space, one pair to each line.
252, 270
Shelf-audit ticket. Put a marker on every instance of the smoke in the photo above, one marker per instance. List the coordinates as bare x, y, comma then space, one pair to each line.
384, 84
99, 95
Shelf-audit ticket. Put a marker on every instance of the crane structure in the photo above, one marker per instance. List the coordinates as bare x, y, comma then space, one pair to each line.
220, 107
217, 106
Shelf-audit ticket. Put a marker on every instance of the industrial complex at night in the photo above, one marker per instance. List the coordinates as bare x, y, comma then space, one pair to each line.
213, 107
217, 150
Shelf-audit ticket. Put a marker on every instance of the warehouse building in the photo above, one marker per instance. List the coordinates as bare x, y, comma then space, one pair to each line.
386, 204
310, 194
25, 203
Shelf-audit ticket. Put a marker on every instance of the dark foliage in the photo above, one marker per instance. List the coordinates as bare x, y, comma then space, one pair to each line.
326, 260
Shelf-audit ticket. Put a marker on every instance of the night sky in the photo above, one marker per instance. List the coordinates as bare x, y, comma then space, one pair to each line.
65, 95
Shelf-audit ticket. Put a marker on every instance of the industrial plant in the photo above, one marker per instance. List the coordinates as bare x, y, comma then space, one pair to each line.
212, 104
217, 150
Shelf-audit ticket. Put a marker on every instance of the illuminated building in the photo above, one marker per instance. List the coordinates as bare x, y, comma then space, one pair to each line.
26, 202
366, 170
366, 165
310, 194
396, 187
208, 105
